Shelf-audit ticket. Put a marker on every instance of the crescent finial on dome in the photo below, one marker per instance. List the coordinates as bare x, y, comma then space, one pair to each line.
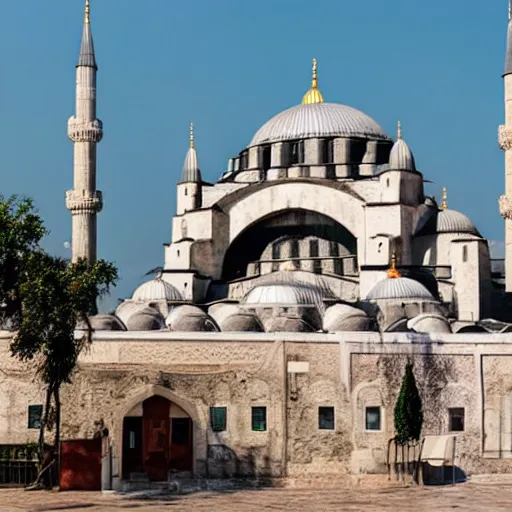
191, 138
444, 204
393, 272
313, 95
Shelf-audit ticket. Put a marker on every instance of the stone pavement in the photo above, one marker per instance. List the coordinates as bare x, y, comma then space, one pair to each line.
487, 496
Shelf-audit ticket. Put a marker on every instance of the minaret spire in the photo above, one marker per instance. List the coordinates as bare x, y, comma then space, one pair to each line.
87, 15
191, 137
85, 131
399, 130
190, 172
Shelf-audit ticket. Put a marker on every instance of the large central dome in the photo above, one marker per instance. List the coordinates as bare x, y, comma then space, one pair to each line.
318, 120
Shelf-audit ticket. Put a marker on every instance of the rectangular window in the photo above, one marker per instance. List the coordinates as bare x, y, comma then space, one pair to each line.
372, 420
218, 417
259, 419
326, 418
456, 419
35, 415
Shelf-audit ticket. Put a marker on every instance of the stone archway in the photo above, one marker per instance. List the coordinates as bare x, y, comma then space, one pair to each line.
164, 430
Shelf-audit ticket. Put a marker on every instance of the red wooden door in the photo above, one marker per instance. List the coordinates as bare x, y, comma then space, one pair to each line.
155, 441
80, 465
181, 444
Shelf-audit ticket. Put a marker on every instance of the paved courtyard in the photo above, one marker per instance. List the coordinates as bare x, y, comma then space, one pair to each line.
471, 497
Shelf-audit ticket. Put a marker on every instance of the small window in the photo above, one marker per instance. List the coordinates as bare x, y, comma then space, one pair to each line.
244, 160
35, 416
372, 420
328, 151
456, 419
297, 153
294, 248
326, 418
218, 418
464, 253
259, 419
186, 191
266, 157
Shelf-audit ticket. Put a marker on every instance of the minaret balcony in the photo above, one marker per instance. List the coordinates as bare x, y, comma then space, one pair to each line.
81, 130
85, 202
505, 137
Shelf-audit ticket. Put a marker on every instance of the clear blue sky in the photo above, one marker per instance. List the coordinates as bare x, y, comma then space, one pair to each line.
229, 65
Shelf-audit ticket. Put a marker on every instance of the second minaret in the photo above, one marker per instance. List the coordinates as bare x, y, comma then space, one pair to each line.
85, 131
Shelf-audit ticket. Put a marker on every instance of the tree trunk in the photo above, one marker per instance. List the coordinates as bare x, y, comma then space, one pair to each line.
56, 394
44, 423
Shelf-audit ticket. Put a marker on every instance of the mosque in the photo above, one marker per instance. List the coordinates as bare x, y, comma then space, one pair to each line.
292, 294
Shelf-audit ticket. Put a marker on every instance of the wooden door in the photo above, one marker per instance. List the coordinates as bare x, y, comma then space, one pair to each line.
181, 444
132, 446
155, 442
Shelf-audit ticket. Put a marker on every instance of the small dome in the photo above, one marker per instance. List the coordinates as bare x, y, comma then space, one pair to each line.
145, 318
232, 318
156, 289
428, 323
341, 317
189, 319
318, 120
445, 221
292, 294
287, 323
401, 157
399, 288
106, 323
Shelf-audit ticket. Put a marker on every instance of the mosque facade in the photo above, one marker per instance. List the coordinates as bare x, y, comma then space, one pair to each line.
293, 292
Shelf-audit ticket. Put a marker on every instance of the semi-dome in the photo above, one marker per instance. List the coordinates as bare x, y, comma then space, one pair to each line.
399, 288
318, 120
156, 289
106, 323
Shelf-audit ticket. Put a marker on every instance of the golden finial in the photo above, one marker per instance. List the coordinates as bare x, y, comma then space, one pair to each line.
87, 18
399, 130
444, 204
192, 143
393, 272
314, 80
313, 95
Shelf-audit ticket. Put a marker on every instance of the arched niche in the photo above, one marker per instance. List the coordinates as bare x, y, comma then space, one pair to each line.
250, 244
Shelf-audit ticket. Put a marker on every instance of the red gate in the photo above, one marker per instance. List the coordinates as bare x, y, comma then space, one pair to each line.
80, 465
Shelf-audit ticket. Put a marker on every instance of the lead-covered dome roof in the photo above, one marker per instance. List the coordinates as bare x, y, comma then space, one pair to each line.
318, 120
399, 288
156, 289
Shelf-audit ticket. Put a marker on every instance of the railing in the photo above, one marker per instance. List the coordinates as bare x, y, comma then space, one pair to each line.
18, 465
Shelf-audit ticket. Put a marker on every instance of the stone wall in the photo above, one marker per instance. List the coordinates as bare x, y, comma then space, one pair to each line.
292, 375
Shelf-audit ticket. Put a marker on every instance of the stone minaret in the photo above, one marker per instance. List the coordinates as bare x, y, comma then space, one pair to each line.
505, 141
85, 131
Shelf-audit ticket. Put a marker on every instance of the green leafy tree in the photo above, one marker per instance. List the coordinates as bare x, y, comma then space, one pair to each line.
408, 410
21, 231
43, 299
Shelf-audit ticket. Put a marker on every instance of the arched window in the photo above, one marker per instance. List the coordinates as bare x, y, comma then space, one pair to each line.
266, 157
244, 160
464, 253
297, 153
327, 151
294, 248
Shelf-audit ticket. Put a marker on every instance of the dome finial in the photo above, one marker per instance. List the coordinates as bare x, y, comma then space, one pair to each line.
87, 16
192, 142
313, 95
399, 130
444, 203
509, 10
393, 272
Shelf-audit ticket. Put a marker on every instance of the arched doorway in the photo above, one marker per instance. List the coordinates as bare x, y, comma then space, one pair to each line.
157, 438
